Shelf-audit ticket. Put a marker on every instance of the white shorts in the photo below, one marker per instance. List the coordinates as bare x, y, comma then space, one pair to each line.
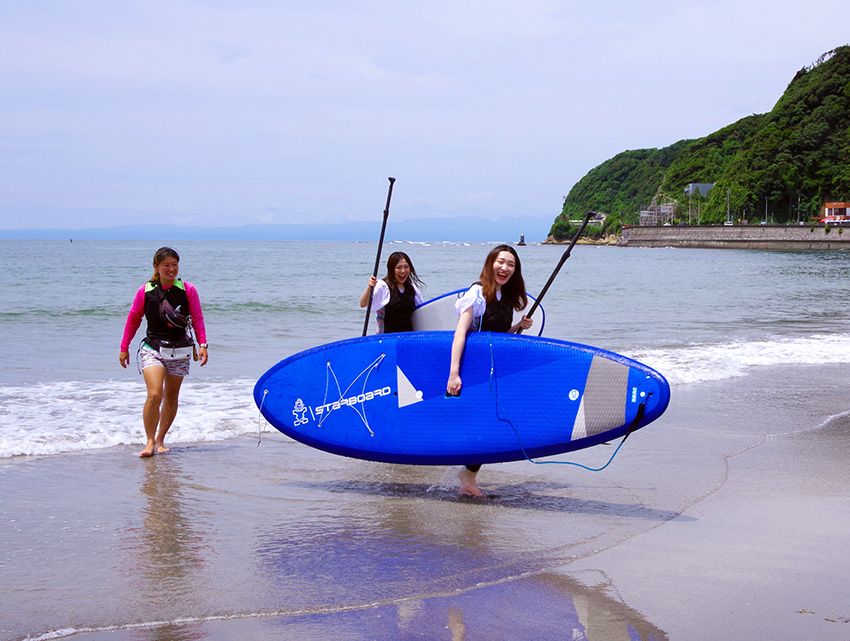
148, 356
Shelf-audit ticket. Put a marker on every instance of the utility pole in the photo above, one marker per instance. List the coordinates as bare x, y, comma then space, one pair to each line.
798, 206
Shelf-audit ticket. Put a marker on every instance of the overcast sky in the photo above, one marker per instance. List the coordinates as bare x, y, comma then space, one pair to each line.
227, 113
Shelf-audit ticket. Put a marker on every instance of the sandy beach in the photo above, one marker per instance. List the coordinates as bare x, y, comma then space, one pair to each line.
726, 519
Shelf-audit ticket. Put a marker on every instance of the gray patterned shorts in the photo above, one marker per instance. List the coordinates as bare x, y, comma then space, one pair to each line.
148, 356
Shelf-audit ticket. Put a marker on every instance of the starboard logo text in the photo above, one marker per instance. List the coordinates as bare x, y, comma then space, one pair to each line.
352, 400
318, 412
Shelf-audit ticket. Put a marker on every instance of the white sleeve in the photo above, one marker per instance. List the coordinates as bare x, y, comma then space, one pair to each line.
474, 297
380, 295
417, 297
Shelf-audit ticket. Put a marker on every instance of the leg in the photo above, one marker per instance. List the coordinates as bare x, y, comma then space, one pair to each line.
468, 481
169, 409
154, 380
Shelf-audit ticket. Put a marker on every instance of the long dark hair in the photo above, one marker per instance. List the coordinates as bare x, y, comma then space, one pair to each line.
514, 290
161, 254
392, 261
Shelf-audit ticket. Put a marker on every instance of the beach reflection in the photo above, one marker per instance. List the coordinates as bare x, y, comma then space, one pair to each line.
174, 543
440, 567
168, 551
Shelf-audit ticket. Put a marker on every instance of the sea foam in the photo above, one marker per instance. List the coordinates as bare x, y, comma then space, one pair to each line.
70, 416
716, 362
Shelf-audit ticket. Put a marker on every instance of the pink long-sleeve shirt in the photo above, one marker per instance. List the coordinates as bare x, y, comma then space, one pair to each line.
137, 313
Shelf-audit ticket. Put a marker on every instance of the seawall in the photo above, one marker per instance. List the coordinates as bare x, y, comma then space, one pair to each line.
779, 237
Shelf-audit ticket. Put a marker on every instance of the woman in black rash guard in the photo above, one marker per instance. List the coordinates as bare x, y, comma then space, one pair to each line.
488, 305
395, 296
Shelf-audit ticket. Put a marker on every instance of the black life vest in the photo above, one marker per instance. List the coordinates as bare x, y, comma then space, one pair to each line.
166, 312
398, 310
498, 316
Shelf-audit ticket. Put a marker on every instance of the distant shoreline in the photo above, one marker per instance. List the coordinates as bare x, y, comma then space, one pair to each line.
432, 229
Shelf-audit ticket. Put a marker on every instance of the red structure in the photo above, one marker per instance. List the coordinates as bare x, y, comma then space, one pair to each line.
837, 212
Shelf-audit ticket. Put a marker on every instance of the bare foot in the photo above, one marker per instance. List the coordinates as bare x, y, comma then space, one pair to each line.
161, 449
468, 485
147, 452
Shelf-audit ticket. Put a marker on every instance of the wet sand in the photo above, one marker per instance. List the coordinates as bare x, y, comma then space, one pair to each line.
727, 519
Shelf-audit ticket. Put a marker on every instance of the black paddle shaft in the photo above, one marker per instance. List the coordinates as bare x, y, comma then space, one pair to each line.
378, 255
561, 262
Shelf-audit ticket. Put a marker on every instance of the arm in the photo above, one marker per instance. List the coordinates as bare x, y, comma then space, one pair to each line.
134, 320
367, 293
458, 344
198, 325
380, 294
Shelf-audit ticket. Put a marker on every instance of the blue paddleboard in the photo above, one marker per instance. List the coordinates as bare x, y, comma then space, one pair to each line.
382, 398
440, 313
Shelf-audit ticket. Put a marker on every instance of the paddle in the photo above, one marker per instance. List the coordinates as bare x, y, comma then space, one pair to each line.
566, 255
378, 255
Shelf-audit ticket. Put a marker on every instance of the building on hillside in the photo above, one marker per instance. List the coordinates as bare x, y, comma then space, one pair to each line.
835, 212
656, 214
701, 188
701, 191
599, 218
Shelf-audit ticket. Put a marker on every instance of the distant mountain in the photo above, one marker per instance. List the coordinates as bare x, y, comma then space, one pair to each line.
796, 157
459, 229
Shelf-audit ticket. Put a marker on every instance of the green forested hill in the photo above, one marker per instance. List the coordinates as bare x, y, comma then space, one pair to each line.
791, 159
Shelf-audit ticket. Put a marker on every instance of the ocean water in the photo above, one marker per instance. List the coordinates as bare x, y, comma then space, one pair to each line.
697, 316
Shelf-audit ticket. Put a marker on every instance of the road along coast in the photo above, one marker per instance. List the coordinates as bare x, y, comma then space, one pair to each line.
778, 237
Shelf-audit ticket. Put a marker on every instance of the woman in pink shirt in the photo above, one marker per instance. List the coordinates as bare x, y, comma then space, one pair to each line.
173, 313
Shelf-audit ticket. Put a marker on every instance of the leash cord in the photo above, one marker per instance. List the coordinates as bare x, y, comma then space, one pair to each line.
638, 416
260, 418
